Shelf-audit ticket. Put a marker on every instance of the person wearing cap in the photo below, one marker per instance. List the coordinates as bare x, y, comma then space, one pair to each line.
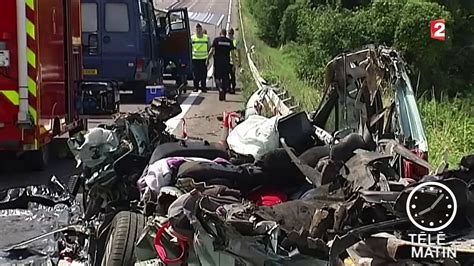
200, 48
232, 63
221, 51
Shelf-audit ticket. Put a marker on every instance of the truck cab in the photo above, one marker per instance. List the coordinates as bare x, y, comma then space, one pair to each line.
121, 42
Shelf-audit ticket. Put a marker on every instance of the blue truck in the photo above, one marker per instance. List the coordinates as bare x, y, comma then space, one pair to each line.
125, 41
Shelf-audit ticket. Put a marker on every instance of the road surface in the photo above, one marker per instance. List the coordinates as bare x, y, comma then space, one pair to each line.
199, 109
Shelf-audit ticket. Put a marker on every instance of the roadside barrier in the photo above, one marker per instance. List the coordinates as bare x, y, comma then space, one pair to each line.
274, 99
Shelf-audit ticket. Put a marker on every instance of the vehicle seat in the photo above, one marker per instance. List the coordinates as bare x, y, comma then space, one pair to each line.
297, 131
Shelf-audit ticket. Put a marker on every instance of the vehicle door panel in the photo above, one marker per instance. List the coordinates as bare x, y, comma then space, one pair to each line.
176, 45
91, 34
148, 29
120, 43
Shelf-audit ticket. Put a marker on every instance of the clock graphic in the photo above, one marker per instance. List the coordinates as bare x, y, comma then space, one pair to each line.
431, 206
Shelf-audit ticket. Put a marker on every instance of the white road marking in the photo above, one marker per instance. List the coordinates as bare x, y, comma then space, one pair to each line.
210, 18
229, 16
173, 123
206, 17
192, 4
175, 4
211, 3
172, 5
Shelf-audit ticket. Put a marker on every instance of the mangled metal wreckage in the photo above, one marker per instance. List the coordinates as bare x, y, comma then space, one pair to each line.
350, 186
368, 155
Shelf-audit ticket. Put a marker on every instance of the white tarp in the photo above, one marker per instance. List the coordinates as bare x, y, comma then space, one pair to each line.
255, 136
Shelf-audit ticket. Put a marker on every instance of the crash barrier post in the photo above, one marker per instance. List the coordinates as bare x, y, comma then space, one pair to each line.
271, 94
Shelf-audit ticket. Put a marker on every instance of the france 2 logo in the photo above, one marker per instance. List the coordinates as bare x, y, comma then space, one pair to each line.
437, 28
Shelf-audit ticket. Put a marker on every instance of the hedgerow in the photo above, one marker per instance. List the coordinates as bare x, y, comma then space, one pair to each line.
325, 28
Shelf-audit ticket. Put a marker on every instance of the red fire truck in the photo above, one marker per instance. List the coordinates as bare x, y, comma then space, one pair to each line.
40, 65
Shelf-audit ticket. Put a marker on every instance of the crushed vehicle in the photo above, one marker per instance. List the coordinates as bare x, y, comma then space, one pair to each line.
371, 86
346, 185
307, 191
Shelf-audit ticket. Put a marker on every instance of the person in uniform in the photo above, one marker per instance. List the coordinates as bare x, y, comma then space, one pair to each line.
200, 48
221, 52
232, 63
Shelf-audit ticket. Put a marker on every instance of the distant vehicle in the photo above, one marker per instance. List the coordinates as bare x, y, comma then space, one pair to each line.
124, 41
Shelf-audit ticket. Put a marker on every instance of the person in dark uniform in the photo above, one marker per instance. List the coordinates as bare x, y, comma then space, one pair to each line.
221, 51
200, 44
233, 64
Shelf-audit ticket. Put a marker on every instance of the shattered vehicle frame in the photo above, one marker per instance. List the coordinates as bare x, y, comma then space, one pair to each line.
353, 201
371, 87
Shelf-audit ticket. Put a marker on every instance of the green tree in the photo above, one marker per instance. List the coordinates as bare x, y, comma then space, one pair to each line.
424, 54
288, 31
268, 15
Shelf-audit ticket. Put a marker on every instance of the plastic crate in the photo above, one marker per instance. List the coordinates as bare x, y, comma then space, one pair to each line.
154, 91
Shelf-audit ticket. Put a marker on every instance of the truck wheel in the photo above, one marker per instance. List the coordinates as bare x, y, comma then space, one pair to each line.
125, 230
37, 160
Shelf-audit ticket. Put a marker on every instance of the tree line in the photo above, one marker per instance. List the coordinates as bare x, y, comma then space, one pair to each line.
318, 30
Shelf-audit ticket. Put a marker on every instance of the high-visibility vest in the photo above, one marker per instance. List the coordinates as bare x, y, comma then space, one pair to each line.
235, 45
199, 46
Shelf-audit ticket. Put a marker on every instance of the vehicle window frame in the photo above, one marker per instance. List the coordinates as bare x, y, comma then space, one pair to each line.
180, 15
128, 18
144, 16
88, 20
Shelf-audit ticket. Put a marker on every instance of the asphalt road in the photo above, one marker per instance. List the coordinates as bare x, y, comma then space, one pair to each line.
200, 110
201, 119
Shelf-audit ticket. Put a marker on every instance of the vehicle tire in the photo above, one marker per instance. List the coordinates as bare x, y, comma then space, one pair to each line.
124, 231
37, 160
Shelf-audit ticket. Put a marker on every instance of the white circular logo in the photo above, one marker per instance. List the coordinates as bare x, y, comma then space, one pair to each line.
431, 206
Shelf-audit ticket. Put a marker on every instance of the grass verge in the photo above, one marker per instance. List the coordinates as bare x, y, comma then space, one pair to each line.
449, 126
278, 65
449, 123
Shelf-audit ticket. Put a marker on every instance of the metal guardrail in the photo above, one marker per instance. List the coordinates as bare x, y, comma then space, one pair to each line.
274, 98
